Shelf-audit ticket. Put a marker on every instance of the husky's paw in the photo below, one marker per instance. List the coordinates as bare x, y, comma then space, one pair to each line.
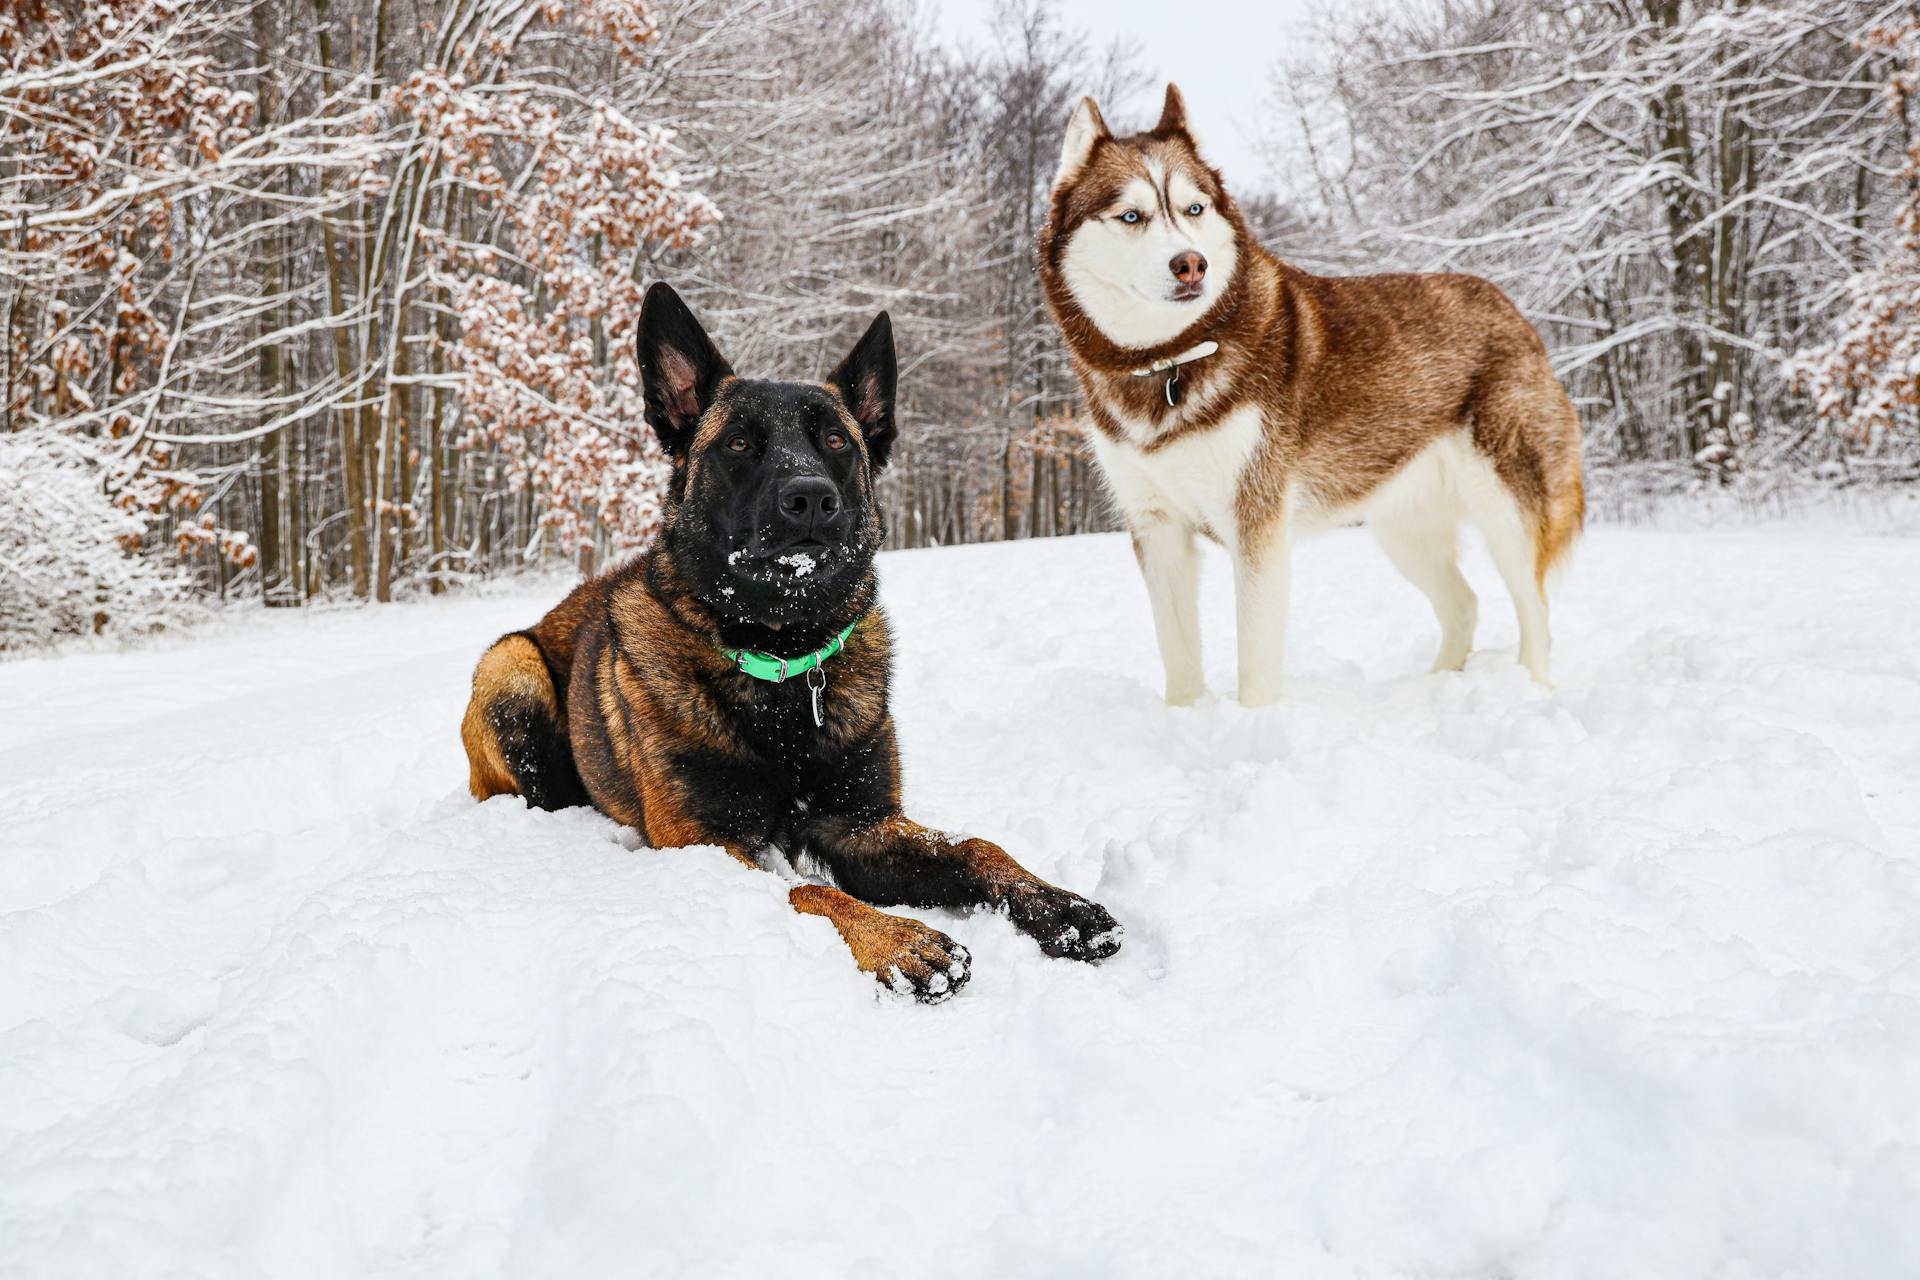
1065, 925
919, 961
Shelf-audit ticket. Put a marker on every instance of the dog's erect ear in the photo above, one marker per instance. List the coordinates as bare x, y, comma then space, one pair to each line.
1173, 118
865, 382
1173, 115
1084, 129
680, 369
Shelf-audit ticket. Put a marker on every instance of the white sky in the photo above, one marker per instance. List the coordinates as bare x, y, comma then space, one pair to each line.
1218, 51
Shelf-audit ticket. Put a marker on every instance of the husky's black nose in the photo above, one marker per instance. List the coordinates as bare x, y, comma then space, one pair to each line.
1188, 267
808, 504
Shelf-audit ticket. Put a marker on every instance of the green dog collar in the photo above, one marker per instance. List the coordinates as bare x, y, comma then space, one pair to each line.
764, 666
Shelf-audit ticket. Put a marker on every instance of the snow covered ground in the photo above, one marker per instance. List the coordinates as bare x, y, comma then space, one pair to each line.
1425, 975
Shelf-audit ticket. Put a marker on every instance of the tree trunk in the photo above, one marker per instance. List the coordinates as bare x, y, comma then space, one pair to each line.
436, 482
350, 442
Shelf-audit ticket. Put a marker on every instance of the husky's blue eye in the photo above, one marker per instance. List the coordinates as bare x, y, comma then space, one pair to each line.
1195, 209
1131, 215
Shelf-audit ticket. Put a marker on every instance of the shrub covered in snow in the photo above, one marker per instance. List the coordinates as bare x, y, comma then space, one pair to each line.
70, 558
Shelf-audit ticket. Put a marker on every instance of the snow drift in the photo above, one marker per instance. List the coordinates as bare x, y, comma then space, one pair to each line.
1436, 975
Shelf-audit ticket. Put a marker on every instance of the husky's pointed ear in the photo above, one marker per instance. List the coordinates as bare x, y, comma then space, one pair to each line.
1173, 115
680, 368
1084, 129
864, 382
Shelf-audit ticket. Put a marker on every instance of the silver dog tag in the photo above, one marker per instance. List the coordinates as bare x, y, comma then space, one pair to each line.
818, 687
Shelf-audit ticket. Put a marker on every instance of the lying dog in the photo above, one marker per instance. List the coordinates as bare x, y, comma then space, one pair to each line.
729, 686
1241, 399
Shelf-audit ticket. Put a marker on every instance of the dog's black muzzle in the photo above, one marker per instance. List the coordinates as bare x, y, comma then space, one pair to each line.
809, 509
803, 512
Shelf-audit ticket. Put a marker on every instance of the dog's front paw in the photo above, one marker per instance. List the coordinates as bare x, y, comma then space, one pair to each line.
905, 955
913, 959
1065, 924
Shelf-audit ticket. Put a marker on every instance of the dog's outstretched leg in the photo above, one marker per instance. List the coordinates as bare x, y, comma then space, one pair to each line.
897, 861
905, 955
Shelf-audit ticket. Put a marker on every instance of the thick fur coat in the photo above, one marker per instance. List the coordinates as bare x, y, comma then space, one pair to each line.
626, 695
1410, 402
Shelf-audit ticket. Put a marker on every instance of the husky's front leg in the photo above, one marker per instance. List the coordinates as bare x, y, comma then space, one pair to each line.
1260, 607
1170, 562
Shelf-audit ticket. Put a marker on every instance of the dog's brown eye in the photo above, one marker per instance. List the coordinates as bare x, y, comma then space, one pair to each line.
836, 440
737, 443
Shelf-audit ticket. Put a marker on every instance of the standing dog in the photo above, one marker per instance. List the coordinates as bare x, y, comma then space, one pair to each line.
1242, 399
729, 686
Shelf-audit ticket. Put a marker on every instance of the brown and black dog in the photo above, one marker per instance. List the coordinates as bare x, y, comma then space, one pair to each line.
633, 694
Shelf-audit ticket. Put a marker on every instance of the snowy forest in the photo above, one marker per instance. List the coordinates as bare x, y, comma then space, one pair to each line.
376, 902
335, 298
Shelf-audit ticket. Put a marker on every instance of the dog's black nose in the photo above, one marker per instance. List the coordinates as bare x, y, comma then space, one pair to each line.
1188, 267
809, 502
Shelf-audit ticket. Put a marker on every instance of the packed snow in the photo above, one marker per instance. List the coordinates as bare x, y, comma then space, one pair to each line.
1437, 975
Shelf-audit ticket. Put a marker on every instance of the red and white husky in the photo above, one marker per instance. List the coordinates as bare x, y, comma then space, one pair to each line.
1241, 399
